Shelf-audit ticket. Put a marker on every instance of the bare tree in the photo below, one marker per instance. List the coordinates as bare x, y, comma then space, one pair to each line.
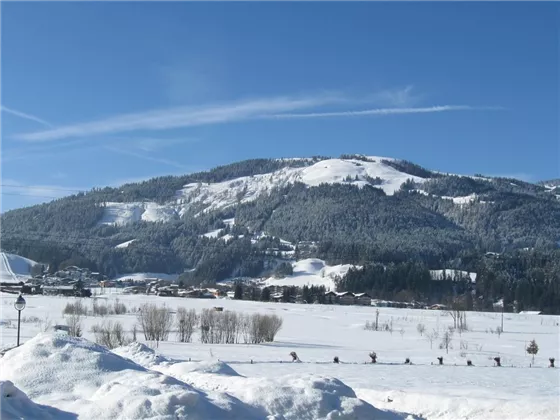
446, 341
431, 337
459, 316
186, 323
156, 322
421, 328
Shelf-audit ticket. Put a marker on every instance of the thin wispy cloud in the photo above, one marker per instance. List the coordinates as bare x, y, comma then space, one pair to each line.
145, 157
181, 117
382, 111
25, 116
280, 107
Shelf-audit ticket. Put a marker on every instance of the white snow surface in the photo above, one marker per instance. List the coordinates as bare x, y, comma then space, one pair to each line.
312, 272
125, 213
15, 268
331, 171
142, 354
14, 404
125, 244
438, 274
146, 276
77, 377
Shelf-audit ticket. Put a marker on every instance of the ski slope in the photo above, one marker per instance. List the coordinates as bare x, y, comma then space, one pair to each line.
239, 380
311, 272
15, 268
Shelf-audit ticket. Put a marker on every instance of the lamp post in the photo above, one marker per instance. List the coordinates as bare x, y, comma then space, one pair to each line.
19, 304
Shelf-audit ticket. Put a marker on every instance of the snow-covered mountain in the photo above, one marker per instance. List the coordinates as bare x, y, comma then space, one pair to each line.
368, 170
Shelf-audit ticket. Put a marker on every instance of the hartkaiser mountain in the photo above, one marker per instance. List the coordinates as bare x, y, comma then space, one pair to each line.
245, 218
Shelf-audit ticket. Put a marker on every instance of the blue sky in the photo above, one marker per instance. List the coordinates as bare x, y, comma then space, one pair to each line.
97, 94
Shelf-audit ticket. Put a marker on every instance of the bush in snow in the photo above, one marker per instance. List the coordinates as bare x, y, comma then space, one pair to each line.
110, 335
421, 328
74, 323
76, 308
118, 308
156, 322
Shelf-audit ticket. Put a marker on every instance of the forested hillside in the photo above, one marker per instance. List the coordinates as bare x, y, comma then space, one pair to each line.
375, 212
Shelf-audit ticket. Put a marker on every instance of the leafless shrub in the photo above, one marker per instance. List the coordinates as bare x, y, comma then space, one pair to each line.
186, 323
110, 335
155, 322
421, 328
30, 319
227, 327
74, 323
76, 308
464, 345
118, 308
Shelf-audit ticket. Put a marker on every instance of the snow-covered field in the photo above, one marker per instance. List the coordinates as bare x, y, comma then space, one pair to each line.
64, 377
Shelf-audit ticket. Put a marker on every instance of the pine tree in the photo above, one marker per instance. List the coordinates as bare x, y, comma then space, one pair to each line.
238, 294
533, 349
265, 294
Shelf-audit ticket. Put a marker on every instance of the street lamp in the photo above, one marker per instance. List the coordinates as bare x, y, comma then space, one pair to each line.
19, 304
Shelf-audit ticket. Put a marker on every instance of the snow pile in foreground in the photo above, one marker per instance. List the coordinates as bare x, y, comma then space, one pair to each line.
142, 354
14, 404
89, 381
297, 397
80, 377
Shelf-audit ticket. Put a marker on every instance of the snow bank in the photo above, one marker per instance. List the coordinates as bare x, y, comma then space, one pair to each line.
141, 354
14, 404
80, 377
301, 397
214, 367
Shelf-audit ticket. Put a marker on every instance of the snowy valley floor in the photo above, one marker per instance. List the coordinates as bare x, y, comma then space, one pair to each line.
70, 378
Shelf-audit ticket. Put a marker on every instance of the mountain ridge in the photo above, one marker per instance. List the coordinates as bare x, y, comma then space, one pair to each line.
237, 220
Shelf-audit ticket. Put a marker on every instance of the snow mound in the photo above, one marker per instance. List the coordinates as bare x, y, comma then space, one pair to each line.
80, 377
301, 397
14, 404
141, 354
13, 267
312, 272
213, 367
